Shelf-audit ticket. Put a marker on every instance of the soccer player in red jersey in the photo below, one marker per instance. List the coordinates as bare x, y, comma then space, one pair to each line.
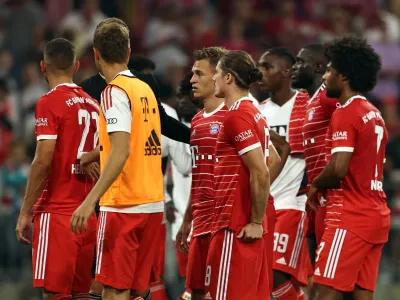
285, 111
66, 127
205, 127
236, 260
358, 218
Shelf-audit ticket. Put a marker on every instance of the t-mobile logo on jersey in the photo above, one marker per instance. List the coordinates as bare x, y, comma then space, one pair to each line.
280, 129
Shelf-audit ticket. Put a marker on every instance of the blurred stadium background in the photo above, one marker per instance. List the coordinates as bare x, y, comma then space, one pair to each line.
167, 31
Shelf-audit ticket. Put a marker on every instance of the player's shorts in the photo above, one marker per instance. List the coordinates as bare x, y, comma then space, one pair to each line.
196, 265
320, 223
159, 257
126, 246
236, 270
269, 246
290, 245
345, 260
61, 260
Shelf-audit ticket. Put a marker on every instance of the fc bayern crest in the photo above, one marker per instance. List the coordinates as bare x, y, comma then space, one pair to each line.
214, 128
310, 114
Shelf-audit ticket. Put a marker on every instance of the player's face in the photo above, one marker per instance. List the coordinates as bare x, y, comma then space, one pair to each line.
333, 82
303, 70
219, 80
272, 68
202, 79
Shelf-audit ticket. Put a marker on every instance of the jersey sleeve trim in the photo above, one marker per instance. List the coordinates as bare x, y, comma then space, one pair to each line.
342, 149
249, 148
46, 137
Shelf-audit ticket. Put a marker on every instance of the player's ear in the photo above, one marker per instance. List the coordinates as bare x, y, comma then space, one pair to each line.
76, 66
42, 67
228, 78
287, 73
319, 68
96, 54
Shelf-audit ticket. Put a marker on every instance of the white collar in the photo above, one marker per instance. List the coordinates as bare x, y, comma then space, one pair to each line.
64, 84
206, 115
126, 72
338, 105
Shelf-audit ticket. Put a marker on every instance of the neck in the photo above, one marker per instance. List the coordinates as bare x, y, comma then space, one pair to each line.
283, 95
111, 70
57, 80
235, 95
346, 95
316, 84
212, 103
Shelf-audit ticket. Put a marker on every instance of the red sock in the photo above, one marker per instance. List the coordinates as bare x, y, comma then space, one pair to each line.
61, 297
285, 291
300, 295
157, 291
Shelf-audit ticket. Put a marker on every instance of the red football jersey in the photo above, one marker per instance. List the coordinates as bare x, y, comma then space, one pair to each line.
360, 204
203, 141
70, 116
318, 114
243, 130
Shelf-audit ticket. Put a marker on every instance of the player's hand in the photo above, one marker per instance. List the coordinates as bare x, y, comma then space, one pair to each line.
81, 216
23, 227
181, 241
170, 212
312, 198
93, 170
251, 232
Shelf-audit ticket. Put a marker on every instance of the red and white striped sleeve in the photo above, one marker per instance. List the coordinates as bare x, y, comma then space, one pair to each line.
116, 107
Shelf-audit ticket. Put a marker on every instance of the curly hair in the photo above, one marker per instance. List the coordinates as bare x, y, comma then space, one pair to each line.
185, 87
356, 60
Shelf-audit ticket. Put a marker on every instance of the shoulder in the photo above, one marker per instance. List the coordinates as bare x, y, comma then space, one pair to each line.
149, 79
170, 110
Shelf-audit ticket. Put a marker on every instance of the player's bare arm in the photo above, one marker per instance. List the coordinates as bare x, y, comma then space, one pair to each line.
259, 187
39, 172
120, 150
281, 146
275, 163
90, 163
184, 230
330, 177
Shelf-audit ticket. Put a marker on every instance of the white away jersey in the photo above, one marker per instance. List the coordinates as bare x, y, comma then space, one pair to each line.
286, 187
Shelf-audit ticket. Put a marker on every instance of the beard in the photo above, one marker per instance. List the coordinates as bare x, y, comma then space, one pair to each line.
303, 81
333, 92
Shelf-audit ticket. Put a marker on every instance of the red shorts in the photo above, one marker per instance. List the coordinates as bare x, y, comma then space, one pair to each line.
127, 244
236, 270
159, 257
345, 260
290, 246
182, 261
196, 266
62, 260
320, 223
269, 246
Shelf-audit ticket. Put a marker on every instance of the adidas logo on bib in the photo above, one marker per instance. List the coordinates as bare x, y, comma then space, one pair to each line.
281, 261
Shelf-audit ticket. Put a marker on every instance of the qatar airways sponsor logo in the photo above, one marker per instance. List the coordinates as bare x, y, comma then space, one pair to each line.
244, 136
339, 135
41, 122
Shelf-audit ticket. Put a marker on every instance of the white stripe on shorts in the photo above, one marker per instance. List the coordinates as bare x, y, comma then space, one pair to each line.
43, 242
298, 244
100, 240
334, 253
224, 266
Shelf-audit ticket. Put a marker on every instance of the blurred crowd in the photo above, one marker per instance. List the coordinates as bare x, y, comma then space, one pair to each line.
167, 32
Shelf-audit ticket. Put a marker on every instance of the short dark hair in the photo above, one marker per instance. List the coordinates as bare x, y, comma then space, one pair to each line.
140, 63
212, 54
315, 48
111, 38
59, 54
242, 67
355, 59
185, 87
283, 53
